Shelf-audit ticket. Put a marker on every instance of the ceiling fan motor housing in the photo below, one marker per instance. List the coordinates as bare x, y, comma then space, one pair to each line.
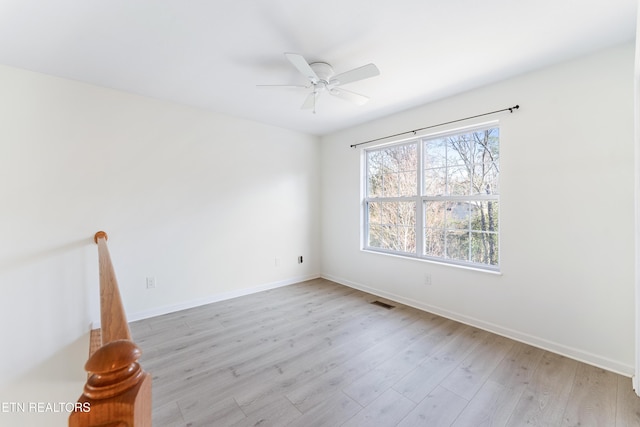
324, 72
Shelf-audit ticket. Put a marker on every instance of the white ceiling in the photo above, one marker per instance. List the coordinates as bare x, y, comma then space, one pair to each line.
212, 54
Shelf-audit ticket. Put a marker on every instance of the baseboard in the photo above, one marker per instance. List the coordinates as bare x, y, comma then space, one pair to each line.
159, 311
573, 353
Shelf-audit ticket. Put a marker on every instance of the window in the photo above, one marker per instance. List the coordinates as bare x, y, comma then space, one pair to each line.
435, 198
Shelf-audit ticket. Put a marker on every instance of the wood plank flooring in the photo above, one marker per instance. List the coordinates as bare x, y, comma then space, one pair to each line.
320, 354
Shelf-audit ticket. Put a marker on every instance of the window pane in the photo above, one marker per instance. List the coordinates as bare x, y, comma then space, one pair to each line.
408, 183
470, 160
435, 182
401, 239
374, 185
435, 153
458, 214
490, 139
407, 214
405, 159
484, 248
374, 212
392, 226
434, 217
375, 169
406, 239
485, 178
380, 236
434, 214
458, 151
457, 243
402, 157
392, 171
484, 216
390, 185
458, 181
434, 242
388, 213
485, 157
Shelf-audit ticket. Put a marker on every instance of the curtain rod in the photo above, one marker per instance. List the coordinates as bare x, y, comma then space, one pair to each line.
510, 109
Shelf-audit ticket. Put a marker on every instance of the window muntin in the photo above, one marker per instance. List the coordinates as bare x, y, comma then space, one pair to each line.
436, 198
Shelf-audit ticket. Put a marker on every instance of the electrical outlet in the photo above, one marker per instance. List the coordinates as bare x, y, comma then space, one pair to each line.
427, 279
151, 282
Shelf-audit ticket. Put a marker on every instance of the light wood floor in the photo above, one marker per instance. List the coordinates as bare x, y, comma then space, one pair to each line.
319, 354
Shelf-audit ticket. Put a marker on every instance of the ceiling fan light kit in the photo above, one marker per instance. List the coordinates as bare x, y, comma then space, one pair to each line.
322, 78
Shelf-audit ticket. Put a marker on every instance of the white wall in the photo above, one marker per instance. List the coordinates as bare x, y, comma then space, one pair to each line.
203, 202
566, 207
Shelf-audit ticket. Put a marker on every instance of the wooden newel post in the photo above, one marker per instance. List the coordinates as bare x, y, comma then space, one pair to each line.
118, 391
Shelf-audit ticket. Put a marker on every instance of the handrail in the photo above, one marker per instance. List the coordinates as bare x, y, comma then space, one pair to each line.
114, 325
118, 391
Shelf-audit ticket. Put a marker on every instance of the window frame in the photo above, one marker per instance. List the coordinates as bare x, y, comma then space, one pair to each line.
420, 200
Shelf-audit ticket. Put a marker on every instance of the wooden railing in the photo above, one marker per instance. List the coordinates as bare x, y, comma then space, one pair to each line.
118, 391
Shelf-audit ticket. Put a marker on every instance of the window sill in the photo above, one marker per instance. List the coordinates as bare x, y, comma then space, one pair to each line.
436, 262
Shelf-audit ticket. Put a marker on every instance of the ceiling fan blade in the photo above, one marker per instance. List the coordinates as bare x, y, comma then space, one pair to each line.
360, 73
310, 101
350, 96
302, 65
283, 86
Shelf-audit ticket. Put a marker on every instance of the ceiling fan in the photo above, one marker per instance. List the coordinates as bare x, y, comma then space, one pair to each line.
322, 78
